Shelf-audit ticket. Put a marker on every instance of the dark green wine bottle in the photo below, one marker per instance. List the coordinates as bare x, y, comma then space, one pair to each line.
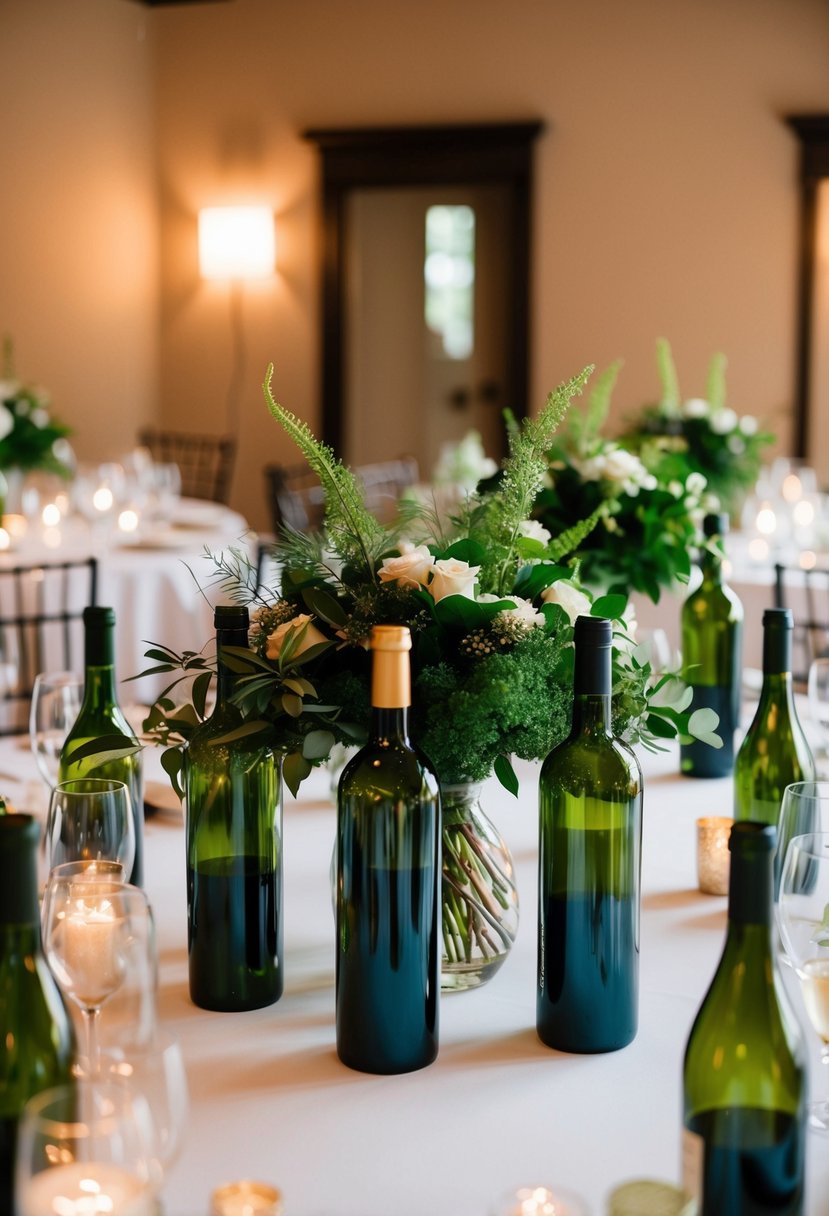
388, 883
774, 752
234, 850
590, 795
35, 1027
744, 1076
101, 716
712, 630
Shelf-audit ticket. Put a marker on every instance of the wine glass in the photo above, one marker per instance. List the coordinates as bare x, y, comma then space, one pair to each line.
94, 932
90, 817
86, 1148
155, 1070
803, 918
805, 808
818, 694
56, 700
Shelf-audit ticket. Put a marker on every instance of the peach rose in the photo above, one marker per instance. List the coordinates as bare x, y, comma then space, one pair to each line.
311, 636
411, 569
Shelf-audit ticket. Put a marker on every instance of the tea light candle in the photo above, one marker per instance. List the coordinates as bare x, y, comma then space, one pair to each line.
246, 1198
82, 1188
89, 950
540, 1201
713, 858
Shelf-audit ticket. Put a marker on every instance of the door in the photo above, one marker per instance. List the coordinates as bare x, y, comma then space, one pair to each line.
426, 336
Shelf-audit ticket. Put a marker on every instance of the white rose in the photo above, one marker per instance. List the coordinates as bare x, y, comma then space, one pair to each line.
695, 483
624, 466
749, 424
676, 488
723, 421
276, 640
411, 569
39, 418
695, 407
6, 421
593, 469
574, 602
524, 613
452, 577
534, 529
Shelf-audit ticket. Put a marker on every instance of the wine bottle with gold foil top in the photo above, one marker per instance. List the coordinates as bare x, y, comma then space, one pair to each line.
388, 882
590, 836
35, 1026
712, 627
101, 717
744, 1076
234, 849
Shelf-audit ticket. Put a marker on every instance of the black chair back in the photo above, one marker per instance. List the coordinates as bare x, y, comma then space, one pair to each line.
205, 461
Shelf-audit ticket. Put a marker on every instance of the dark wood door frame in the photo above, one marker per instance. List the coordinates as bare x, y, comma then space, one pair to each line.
813, 132
484, 154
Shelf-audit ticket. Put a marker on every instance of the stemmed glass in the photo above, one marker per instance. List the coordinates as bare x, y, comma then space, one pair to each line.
56, 700
94, 932
90, 818
805, 808
155, 1070
86, 1148
803, 918
818, 694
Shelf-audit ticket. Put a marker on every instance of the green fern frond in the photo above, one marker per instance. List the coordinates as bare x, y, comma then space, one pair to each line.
511, 424
598, 406
669, 400
567, 542
523, 475
354, 533
715, 384
234, 573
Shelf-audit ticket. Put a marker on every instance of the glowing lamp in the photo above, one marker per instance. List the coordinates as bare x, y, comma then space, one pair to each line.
236, 242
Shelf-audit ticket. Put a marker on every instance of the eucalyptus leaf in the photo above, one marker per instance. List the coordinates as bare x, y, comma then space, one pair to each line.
105, 748
172, 761
506, 774
317, 744
295, 768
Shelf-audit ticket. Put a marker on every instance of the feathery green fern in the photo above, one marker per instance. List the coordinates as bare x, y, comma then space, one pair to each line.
354, 533
715, 385
669, 401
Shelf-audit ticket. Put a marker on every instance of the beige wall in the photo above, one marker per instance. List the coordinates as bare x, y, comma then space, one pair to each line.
666, 185
78, 211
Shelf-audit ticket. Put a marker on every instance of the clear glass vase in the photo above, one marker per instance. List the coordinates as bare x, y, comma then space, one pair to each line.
480, 897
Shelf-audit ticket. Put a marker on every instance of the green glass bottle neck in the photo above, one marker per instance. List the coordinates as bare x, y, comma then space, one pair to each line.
226, 679
777, 652
19, 908
390, 725
99, 691
591, 714
711, 566
750, 895
99, 646
776, 690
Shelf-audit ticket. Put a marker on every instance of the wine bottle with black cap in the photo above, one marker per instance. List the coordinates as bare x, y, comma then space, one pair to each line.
590, 795
35, 1027
234, 849
744, 1079
388, 882
774, 752
711, 627
101, 718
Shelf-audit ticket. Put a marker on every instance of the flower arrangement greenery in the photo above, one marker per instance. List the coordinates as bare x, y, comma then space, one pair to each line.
30, 438
491, 605
490, 602
650, 505
726, 448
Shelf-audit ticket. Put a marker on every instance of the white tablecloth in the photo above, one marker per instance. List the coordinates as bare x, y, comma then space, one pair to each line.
154, 581
497, 1109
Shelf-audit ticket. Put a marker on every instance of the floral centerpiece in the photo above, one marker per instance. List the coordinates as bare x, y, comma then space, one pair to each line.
490, 602
649, 505
30, 438
726, 448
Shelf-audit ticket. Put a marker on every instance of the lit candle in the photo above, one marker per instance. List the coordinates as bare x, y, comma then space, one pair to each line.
246, 1198
713, 858
89, 951
86, 1189
540, 1201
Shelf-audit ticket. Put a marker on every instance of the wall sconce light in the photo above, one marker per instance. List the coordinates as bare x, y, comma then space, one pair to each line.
236, 243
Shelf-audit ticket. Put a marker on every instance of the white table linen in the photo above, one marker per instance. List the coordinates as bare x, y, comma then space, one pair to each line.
497, 1109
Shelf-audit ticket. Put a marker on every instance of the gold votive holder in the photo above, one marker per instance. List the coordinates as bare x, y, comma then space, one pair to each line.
246, 1198
713, 858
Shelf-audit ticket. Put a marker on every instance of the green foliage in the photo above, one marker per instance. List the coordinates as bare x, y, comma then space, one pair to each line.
32, 441
669, 399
